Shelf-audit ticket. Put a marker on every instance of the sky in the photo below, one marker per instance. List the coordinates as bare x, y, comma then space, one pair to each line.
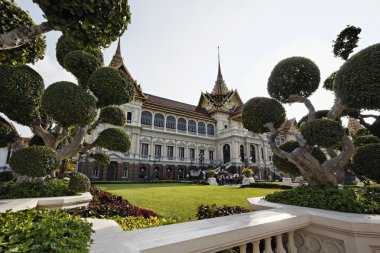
171, 46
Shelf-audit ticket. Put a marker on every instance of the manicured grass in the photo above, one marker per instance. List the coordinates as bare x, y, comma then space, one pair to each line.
181, 200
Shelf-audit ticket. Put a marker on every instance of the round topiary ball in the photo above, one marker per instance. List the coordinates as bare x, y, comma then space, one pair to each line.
21, 90
79, 183
357, 82
7, 133
114, 139
112, 115
323, 132
328, 84
35, 161
366, 161
260, 110
293, 76
110, 87
290, 168
81, 65
365, 139
318, 115
69, 104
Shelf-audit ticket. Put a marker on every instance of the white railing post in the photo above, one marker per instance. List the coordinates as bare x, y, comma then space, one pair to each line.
291, 246
279, 247
243, 248
256, 246
268, 245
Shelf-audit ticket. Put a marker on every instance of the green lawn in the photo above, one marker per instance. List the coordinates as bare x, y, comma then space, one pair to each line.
181, 200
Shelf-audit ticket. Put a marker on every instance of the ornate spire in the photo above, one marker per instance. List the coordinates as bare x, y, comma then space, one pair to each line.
117, 60
220, 87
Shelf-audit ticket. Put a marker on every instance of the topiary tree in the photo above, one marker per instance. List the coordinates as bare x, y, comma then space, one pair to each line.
7, 133
366, 161
61, 115
91, 23
79, 183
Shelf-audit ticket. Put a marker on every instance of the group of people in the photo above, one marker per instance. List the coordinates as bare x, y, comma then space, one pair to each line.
223, 179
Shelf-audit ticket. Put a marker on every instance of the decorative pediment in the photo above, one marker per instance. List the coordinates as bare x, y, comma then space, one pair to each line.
145, 139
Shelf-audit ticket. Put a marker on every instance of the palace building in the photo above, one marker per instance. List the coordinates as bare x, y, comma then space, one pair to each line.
175, 140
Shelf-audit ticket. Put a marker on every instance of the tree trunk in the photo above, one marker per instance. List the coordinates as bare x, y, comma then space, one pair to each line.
62, 169
22, 35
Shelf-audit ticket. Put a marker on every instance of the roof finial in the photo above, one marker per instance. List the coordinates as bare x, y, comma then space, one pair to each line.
118, 50
220, 77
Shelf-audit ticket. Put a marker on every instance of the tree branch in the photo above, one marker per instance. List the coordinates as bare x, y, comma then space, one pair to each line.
46, 136
22, 35
308, 104
75, 146
272, 142
340, 160
336, 110
369, 116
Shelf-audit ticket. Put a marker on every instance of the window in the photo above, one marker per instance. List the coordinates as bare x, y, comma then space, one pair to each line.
262, 153
211, 155
252, 153
129, 117
170, 152
242, 155
210, 129
192, 126
125, 173
157, 151
144, 150
159, 120
142, 172
201, 156
192, 154
181, 124
181, 153
95, 172
146, 118
170, 122
201, 128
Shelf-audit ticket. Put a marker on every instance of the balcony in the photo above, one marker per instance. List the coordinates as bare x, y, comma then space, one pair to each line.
279, 229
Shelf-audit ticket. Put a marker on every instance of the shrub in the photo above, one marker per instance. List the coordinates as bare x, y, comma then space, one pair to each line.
133, 223
247, 172
318, 115
206, 211
35, 161
114, 139
328, 84
365, 139
52, 188
330, 198
101, 157
260, 110
79, 182
322, 132
7, 134
211, 173
293, 76
112, 115
366, 161
6, 176
266, 185
41, 230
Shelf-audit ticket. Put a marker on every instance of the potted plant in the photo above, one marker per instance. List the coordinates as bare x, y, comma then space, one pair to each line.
248, 173
211, 177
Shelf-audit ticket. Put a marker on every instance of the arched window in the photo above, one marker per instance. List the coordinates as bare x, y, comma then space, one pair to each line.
201, 128
262, 153
170, 122
125, 173
142, 172
169, 172
252, 153
146, 118
159, 120
192, 126
226, 153
95, 172
181, 124
242, 155
210, 129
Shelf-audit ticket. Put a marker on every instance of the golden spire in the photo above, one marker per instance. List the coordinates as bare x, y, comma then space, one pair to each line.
117, 60
220, 87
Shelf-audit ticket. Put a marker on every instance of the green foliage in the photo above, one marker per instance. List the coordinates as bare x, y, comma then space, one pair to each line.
328, 84
322, 132
207, 212
93, 23
7, 134
211, 173
35, 161
318, 115
21, 91
357, 82
110, 87
133, 223
69, 104
52, 188
114, 139
366, 161
365, 139
361, 132
290, 168
41, 230
247, 172
260, 110
346, 41
101, 157
6, 176
293, 76
66, 45
36, 141
266, 185
11, 17
81, 65
112, 115
331, 198
79, 182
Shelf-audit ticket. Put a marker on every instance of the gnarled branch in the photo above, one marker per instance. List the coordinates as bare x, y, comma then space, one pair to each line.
340, 160
308, 104
336, 110
75, 146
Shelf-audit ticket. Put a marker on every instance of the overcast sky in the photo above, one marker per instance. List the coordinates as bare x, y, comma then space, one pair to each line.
170, 47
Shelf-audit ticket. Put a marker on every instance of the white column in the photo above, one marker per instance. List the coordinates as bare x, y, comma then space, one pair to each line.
256, 246
279, 247
291, 246
268, 245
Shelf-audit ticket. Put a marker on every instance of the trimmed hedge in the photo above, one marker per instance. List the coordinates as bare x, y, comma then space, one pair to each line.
206, 211
114, 139
366, 161
112, 115
266, 185
365, 139
41, 230
260, 110
34, 161
7, 134
323, 132
79, 183
6, 176
133, 223
346, 199
293, 76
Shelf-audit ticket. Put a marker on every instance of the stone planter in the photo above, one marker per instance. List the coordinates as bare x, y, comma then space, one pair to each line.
248, 180
211, 181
